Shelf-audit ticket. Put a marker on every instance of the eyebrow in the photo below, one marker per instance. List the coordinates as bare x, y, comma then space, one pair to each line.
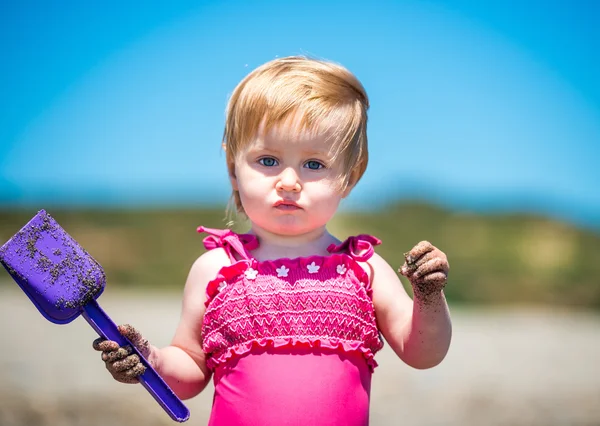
272, 144
255, 148
318, 153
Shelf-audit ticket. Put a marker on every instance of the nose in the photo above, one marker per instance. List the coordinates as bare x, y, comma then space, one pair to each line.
288, 181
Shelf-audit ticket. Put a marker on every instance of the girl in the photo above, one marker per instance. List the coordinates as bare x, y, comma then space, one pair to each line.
287, 318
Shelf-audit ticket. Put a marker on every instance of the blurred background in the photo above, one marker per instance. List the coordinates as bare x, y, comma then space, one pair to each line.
484, 133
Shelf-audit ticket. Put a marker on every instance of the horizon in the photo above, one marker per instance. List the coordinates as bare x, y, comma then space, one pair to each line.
481, 107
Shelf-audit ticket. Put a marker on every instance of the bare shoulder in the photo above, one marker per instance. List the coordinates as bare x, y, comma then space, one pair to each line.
203, 270
206, 267
382, 272
188, 335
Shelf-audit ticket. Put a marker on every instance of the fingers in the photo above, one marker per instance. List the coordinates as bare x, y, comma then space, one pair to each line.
125, 364
434, 264
103, 345
126, 370
131, 375
417, 251
426, 267
130, 370
138, 369
410, 268
135, 338
130, 333
117, 354
126, 330
435, 279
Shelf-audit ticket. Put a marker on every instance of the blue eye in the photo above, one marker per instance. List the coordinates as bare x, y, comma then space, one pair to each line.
314, 165
268, 161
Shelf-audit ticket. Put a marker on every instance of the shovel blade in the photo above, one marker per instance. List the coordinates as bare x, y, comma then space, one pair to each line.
55, 272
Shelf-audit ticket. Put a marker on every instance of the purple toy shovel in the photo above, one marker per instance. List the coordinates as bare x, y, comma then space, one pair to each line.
63, 281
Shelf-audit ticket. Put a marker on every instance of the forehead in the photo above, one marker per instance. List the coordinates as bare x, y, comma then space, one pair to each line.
292, 133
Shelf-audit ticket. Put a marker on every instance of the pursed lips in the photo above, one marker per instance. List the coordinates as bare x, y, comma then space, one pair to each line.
286, 205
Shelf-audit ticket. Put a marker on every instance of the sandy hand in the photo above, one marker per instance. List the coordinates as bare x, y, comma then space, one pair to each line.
426, 267
124, 365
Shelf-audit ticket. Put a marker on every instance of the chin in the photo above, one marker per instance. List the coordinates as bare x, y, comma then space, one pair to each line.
287, 230
285, 227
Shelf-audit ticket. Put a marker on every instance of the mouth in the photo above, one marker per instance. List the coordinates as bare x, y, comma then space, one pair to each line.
286, 205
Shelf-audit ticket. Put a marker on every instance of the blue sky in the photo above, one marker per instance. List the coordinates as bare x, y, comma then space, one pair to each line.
484, 106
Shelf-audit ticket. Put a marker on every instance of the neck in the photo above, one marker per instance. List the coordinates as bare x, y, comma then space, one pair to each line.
274, 245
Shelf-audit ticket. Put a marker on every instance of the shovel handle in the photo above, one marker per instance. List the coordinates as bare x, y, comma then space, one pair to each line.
151, 380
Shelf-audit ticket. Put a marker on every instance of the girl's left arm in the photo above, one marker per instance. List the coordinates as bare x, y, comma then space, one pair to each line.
418, 330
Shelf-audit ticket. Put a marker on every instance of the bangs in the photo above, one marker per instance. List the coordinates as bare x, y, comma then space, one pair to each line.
322, 103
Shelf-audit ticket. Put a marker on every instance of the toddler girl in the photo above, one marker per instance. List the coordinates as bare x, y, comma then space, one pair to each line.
286, 318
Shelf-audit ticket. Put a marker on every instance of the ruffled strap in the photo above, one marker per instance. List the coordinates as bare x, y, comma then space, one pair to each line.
359, 247
230, 241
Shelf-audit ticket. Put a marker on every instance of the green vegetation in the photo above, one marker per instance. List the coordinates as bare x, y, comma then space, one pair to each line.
508, 259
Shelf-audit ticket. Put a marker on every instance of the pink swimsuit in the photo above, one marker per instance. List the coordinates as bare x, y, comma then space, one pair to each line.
290, 341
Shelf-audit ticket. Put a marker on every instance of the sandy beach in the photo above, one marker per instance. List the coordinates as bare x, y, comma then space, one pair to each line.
523, 366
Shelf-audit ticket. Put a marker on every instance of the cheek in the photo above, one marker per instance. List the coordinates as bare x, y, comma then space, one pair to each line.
248, 194
323, 189
252, 186
323, 199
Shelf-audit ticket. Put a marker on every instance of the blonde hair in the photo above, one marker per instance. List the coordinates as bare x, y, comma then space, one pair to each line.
326, 95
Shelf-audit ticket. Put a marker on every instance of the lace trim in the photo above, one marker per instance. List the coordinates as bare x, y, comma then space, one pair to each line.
298, 267
333, 344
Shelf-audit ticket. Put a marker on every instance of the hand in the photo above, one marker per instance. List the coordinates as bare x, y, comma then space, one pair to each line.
124, 365
426, 267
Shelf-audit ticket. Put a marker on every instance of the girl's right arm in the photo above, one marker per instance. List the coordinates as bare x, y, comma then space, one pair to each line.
182, 364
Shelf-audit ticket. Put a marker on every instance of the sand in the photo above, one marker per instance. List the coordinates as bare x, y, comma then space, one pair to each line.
505, 367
